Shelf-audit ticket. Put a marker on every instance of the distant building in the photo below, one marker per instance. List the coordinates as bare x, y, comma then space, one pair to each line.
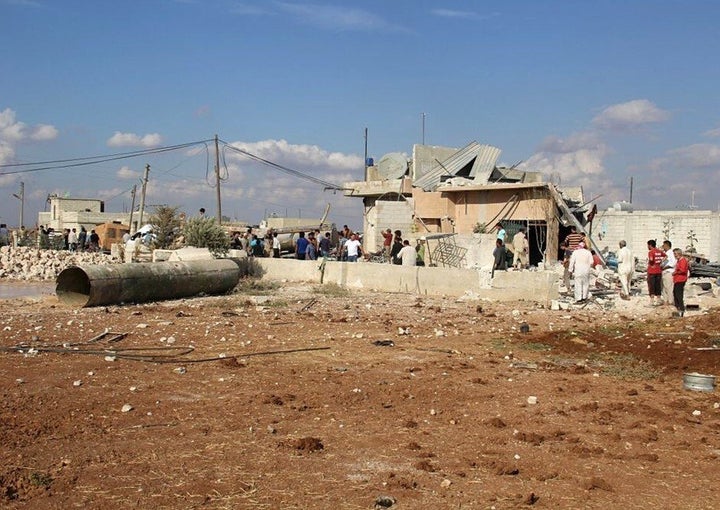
74, 213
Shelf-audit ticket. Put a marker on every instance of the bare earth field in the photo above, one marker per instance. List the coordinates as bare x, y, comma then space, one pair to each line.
435, 415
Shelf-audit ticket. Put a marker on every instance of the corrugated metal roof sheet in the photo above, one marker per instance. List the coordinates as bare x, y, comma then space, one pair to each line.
484, 156
485, 163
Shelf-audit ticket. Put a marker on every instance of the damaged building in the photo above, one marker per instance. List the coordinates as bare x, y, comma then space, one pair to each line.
442, 192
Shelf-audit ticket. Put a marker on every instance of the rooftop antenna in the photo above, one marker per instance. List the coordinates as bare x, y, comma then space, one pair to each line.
423, 127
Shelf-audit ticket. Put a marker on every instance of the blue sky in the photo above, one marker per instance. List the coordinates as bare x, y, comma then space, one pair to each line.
589, 93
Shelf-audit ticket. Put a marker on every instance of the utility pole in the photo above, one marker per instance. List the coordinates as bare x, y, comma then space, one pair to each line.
132, 208
142, 194
21, 196
366, 156
217, 180
423, 127
631, 188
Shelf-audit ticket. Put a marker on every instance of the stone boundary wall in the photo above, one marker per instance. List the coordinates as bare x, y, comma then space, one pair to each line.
535, 286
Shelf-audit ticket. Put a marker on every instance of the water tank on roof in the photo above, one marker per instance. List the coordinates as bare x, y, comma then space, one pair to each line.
392, 166
623, 206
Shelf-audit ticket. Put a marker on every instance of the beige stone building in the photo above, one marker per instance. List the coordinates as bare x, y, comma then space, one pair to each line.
441, 190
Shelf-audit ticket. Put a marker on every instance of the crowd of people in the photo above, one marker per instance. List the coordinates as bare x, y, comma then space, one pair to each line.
72, 239
667, 270
346, 247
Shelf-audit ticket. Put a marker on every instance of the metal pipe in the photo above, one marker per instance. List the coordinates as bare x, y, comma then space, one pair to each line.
96, 285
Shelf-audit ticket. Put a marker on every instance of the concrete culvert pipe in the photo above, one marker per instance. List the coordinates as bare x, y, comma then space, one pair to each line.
95, 285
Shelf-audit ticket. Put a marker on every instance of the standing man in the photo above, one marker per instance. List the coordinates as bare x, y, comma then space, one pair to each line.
310, 249
654, 272
275, 245
574, 238
580, 265
499, 257
407, 254
668, 268
626, 265
520, 247
301, 246
387, 243
420, 249
325, 245
501, 232
680, 276
73, 240
353, 248
396, 247
567, 253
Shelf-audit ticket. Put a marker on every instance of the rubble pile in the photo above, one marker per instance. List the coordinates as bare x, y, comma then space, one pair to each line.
24, 263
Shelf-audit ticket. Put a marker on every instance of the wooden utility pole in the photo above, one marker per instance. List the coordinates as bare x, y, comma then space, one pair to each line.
132, 208
217, 180
21, 196
142, 194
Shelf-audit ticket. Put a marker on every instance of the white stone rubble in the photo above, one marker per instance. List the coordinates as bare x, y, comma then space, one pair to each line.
23, 263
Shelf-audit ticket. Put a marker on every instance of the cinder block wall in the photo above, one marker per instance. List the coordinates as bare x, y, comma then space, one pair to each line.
639, 226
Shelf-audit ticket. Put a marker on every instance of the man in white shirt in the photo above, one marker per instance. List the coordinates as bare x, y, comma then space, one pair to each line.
520, 248
407, 254
353, 248
581, 262
626, 266
667, 278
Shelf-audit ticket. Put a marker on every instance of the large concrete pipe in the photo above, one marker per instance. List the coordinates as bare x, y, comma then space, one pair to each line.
95, 285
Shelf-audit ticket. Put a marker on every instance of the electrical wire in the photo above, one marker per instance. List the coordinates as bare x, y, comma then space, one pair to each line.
93, 160
282, 168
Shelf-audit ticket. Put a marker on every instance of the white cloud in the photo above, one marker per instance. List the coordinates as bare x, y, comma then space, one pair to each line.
699, 156
126, 173
132, 140
337, 17
629, 115
299, 157
454, 14
712, 133
574, 158
12, 131
44, 132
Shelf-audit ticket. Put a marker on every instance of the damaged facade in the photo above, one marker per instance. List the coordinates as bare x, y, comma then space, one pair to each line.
443, 190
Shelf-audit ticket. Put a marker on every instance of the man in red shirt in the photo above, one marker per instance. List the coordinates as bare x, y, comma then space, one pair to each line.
654, 272
387, 243
680, 276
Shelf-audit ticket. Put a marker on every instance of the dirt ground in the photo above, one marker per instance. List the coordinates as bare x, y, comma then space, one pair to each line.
378, 400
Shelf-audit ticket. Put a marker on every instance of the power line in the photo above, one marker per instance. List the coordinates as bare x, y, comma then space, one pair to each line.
282, 168
92, 160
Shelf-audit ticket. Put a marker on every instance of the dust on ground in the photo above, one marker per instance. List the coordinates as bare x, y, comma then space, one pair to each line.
316, 397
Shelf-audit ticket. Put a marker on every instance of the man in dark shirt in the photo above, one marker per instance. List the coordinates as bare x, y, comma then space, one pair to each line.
500, 256
301, 246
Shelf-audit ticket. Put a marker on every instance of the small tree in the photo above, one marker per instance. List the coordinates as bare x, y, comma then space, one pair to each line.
166, 225
480, 228
692, 239
667, 229
203, 232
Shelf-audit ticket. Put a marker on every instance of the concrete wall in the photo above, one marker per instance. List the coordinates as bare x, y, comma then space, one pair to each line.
637, 227
384, 214
540, 286
425, 158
